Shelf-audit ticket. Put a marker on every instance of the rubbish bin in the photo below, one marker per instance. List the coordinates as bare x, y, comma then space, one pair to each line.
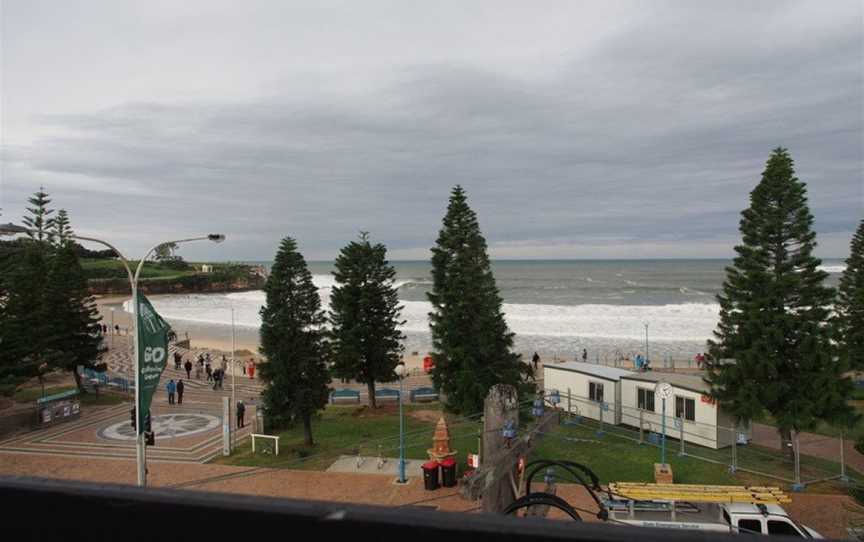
448, 472
430, 475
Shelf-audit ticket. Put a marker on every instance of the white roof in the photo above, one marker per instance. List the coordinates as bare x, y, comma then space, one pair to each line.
746, 508
601, 371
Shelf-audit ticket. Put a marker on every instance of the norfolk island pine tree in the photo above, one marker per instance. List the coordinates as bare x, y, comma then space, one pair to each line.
366, 343
850, 304
471, 341
773, 349
74, 330
292, 340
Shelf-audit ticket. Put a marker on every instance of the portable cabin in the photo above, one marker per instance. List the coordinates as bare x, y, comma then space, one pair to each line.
586, 389
690, 409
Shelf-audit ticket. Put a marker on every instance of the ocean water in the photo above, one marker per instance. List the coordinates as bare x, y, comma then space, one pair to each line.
556, 308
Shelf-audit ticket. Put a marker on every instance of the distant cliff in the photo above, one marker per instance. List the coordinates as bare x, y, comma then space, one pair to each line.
215, 278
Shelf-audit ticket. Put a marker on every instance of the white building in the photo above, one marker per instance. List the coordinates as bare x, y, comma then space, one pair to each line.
589, 390
690, 408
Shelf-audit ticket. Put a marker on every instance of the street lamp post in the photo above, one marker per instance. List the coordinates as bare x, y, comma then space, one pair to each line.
400, 372
646, 342
12, 229
233, 375
112, 327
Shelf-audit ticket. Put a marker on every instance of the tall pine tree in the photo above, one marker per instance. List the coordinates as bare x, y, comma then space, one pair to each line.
471, 341
61, 230
773, 350
74, 334
364, 315
292, 340
850, 304
39, 218
26, 326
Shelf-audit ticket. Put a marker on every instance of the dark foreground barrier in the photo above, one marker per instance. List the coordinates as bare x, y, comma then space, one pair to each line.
50, 510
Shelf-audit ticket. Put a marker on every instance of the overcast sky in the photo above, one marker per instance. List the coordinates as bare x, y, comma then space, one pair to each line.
579, 129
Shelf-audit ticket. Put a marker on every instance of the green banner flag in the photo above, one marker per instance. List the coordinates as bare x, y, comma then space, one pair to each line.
152, 353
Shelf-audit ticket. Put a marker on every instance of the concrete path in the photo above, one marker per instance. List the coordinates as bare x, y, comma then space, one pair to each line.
814, 445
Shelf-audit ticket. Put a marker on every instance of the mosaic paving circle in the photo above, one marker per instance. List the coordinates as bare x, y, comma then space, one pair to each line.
165, 426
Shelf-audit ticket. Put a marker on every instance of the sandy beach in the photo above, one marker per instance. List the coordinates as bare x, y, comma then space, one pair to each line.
214, 338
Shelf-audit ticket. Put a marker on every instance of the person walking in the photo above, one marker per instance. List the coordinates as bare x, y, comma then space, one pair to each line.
251, 369
216, 380
180, 388
585, 355
209, 371
241, 413
178, 360
171, 388
188, 367
199, 368
536, 359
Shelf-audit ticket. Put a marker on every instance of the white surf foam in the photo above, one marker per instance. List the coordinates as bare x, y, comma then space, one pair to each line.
677, 322
832, 268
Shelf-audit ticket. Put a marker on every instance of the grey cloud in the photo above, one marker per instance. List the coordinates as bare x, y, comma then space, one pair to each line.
656, 133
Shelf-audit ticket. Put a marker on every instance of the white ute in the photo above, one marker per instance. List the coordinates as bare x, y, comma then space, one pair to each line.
737, 509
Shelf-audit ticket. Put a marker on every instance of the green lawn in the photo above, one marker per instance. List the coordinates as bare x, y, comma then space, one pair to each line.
617, 456
614, 456
351, 430
26, 395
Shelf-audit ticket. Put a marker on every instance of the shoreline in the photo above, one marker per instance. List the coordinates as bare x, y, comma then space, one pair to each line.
601, 350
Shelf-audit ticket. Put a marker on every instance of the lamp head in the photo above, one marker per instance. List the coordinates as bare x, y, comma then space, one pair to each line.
216, 237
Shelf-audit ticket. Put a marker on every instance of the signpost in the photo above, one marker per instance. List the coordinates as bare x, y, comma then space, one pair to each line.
664, 390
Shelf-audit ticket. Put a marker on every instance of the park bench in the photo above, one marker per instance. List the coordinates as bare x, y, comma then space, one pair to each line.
344, 396
421, 395
386, 394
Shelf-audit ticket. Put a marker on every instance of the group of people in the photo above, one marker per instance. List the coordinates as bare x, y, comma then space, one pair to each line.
175, 388
535, 359
104, 329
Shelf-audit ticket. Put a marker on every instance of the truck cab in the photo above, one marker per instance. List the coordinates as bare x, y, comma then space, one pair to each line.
768, 519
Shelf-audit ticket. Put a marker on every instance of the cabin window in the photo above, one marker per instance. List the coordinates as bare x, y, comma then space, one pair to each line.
685, 408
595, 391
749, 526
645, 399
782, 527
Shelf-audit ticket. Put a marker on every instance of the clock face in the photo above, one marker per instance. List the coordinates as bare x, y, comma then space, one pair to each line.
664, 390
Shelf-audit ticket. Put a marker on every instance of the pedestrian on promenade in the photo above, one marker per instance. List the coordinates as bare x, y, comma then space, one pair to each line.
178, 359
116, 329
585, 355
224, 364
180, 388
209, 371
188, 367
243, 366
536, 359
171, 387
216, 379
241, 412
251, 369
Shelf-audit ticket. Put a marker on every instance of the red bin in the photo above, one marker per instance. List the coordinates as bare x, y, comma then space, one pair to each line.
430, 475
448, 472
